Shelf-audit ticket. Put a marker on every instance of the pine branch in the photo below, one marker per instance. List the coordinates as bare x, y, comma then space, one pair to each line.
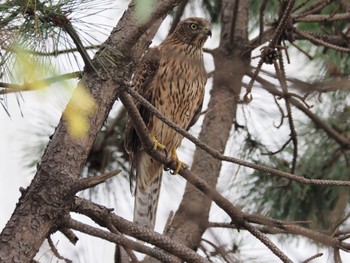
323, 18
37, 84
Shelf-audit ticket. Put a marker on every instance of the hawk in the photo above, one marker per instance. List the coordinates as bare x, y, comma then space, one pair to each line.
172, 77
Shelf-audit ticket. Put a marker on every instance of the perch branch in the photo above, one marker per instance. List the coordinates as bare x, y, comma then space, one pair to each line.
217, 154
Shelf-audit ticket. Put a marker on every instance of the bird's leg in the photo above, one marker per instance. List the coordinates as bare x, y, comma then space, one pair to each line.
179, 164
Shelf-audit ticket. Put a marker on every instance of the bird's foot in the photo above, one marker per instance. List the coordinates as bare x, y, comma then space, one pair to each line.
157, 145
179, 164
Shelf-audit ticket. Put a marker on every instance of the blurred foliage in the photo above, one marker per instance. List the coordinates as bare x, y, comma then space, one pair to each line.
322, 57
320, 157
213, 7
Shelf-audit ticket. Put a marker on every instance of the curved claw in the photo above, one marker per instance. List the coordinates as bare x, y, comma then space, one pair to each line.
179, 164
157, 145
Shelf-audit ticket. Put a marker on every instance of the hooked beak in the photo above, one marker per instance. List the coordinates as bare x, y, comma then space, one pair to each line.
207, 31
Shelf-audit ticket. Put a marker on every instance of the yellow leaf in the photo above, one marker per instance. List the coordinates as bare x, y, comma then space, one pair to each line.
78, 111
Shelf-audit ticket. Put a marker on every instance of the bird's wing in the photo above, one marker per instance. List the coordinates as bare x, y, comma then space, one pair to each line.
196, 115
144, 75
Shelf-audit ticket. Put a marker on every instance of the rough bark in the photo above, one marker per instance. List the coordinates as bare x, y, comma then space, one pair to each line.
190, 220
46, 202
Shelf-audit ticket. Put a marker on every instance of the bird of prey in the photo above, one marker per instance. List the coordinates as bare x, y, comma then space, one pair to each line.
172, 77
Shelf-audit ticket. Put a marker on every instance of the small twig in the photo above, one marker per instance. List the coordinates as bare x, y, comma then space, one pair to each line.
92, 181
313, 257
69, 234
55, 251
302, 51
219, 250
279, 150
281, 74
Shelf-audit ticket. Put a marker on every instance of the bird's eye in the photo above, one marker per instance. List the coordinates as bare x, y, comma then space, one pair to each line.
194, 26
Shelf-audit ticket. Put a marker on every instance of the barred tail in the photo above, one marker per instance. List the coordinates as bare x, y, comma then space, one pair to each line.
148, 183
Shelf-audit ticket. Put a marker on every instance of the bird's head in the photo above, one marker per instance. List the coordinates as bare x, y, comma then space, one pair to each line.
193, 31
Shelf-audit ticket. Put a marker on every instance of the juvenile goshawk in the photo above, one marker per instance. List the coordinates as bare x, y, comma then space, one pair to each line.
171, 77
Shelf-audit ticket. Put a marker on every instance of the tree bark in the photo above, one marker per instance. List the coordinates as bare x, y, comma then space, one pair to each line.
47, 201
190, 220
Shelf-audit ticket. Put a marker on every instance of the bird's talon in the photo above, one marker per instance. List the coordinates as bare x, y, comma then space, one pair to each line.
179, 164
158, 145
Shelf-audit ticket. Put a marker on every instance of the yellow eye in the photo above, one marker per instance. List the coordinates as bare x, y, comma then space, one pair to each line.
194, 26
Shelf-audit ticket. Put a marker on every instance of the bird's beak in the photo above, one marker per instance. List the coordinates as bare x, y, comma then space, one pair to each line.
207, 31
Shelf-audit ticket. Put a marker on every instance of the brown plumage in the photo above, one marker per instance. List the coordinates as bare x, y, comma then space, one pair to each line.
171, 77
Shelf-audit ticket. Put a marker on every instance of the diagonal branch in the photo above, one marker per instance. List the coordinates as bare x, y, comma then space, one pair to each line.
214, 153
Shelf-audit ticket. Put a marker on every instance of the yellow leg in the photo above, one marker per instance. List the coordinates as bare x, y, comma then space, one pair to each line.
179, 164
156, 144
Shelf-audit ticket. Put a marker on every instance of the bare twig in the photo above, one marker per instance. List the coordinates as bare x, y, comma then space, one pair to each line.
92, 181
279, 68
55, 251
313, 257
69, 234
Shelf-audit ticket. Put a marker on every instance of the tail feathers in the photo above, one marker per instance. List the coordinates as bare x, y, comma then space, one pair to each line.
148, 183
